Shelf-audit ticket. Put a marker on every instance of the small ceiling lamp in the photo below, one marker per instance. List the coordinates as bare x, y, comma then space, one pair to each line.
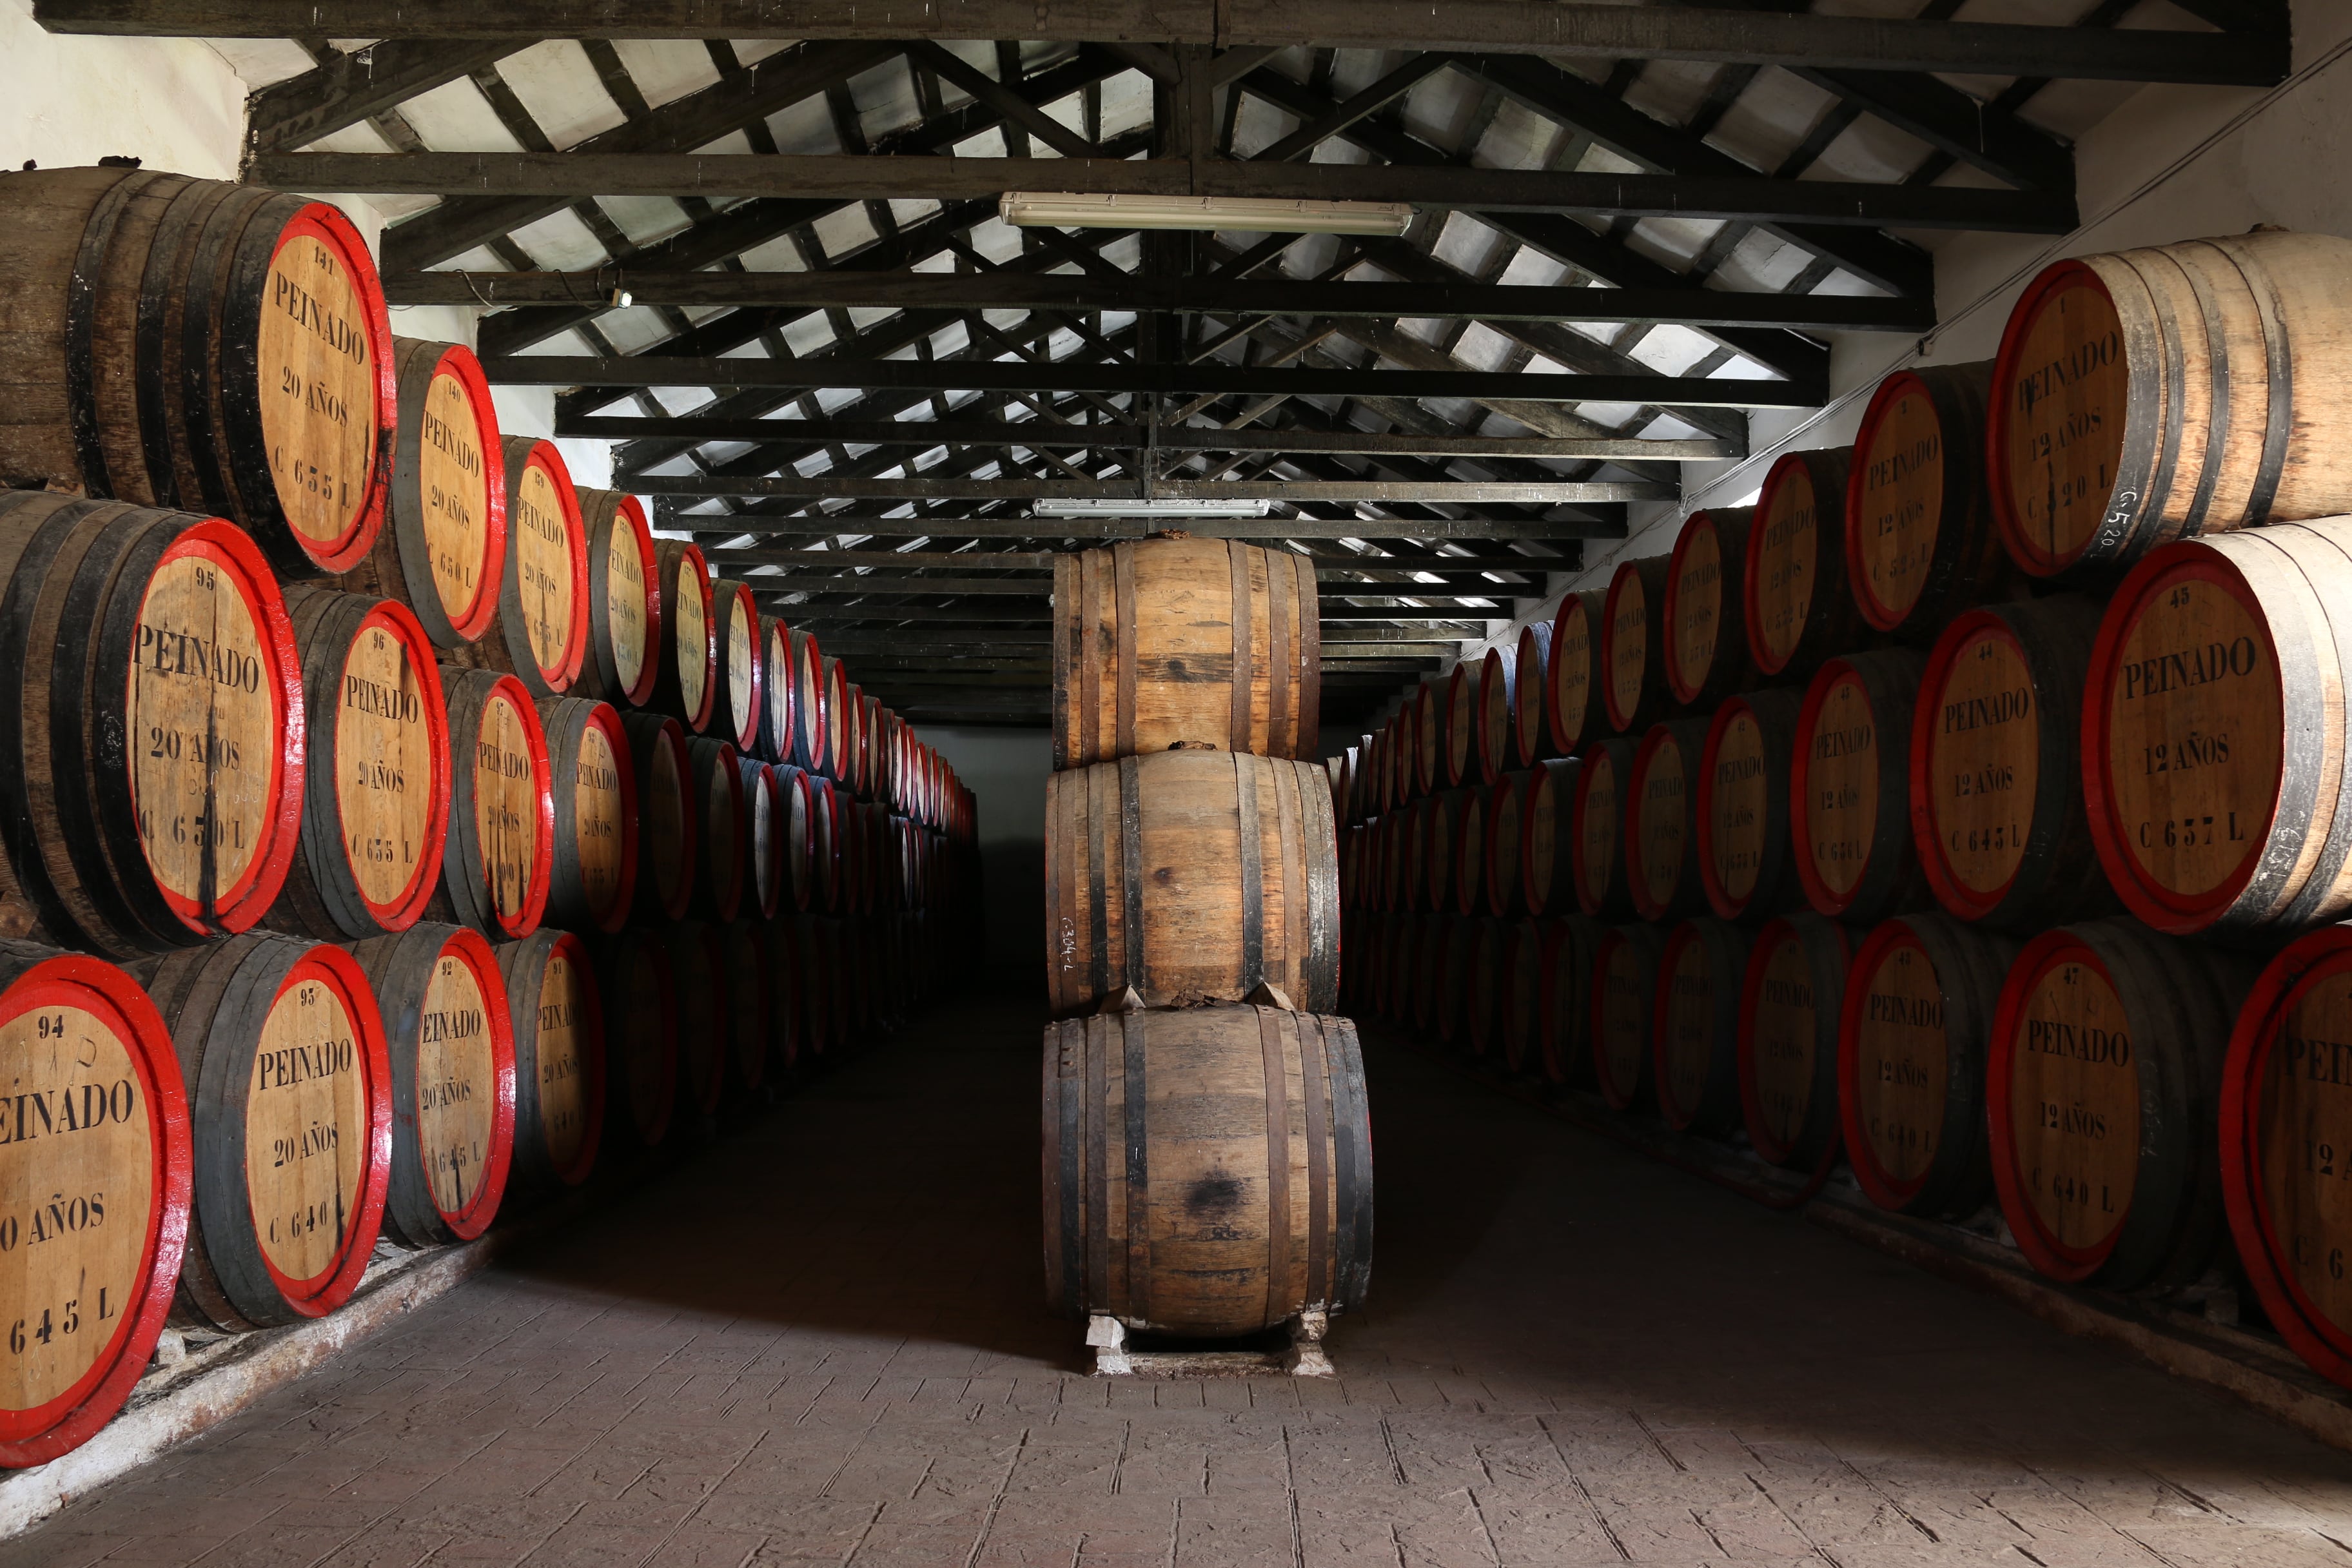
1101, 508
1239, 214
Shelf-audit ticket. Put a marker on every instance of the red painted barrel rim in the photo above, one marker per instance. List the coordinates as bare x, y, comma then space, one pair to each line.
2029, 556
470, 948
1752, 985
576, 952
1629, 842
1834, 674
607, 718
1685, 690
527, 919
332, 1285
1891, 391
399, 913
560, 678
1675, 1117
327, 225
1606, 665
2049, 1255
1750, 557
469, 624
1927, 834
1718, 897
1876, 1185
630, 512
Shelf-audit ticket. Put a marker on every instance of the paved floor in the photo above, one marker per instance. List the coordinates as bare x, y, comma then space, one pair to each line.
823, 1342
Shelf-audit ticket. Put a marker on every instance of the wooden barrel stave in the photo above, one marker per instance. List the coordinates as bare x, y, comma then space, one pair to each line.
557, 1018
1695, 1034
1790, 1001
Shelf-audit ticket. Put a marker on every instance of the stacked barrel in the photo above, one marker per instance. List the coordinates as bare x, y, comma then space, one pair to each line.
1207, 1150
1975, 806
393, 833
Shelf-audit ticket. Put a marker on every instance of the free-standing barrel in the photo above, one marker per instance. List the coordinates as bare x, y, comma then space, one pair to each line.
1849, 819
1705, 635
442, 550
1209, 1169
1920, 544
641, 1033
540, 634
1793, 584
1623, 1000
1661, 841
1745, 860
1788, 1012
1572, 676
1696, 1031
668, 820
494, 860
625, 602
1634, 691
593, 869
557, 1018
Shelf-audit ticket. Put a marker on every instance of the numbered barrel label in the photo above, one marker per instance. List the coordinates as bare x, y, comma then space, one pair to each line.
1984, 760
627, 614
383, 750
306, 1129
2074, 1104
1629, 642
1698, 619
457, 1085
663, 824
1736, 804
562, 1067
1784, 1023
1660, 818
691, 627
2305, 1122
1688, 1048
1787, 545
207, 722
1597, 828
543, 581
2195, 726
742, 660
316, 367
505, 803
1841, 802
598, 820
78, 1177
2068, 392
1902, 503
453, 482
1900, 1062
1571, 669
1625, 1003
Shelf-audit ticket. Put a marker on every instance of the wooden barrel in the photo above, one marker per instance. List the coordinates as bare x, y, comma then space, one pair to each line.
686, 680
1190, 874
1848, 825
840, 725
1428, 832
698, 964
539, 635
291, 1104
1245, 1155
857, 774
1458, 754
1705, 635
802, 827
1530, 677
442, 1004
2214, 768
1522, 1005
1632, 665
1920, 543
593, 869
625, 600
496, 859
723, 822
1696, 1031
377, 779
1596, 830
779, 692
1913, 1038
151, 738
1574, 709
1564, 1000
826, 838
640, 996
183, 342
1624, 999
810, 723
1507, 818
2103, 1096
1467, 878
1498, 688
1165, 641
1547, 859
2149, 396
442, 550
1788, 1010
1745, 862
1795, 599
739, 665
1996, 809
84, 1052
662, 778
1660, 833
1485, 964
558, 1019
763, 839
1431, 701
750, 1001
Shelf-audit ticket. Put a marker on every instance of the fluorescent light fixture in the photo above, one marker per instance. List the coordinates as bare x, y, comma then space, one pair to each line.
1239, 214
1094, 509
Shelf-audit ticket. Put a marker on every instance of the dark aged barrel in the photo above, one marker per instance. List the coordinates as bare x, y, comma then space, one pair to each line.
624, 602
1696, 1031
1996, 765
1745, 862
663, 780
291, 1102
2213, 749
1522, 1009
1913, 1036
779, 690
442, 548
1190, 874
1661, 843
1163, 641
1547, 837
1235, 1139
1794, 595
2103, 1097
1789, 1001
592, 869
1530, 679
2149, 396
557, 1018
1507, 818
698, 980
735, 710
1436, 826
639, 992
686, 682
1564, 998
501, 838
1633, 664
1498, 688
1849, 823
1706, 635
1596, 827
444, 1007
1427, 773
1467, 882
1920, 544
722, 820
85, 1054
1624, 1002
1481, 966
763, 839
151, 735
1458, 753
804, 827
1573, 707
377, 779
826, 840
750, 1001
540, 634
182, 342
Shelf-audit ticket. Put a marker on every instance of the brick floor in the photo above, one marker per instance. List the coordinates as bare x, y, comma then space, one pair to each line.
823, 1342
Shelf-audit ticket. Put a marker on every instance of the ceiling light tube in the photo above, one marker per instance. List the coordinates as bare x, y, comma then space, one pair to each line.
1096, 509
1239, 214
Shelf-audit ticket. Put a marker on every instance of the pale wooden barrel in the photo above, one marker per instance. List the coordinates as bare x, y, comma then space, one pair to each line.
763, 839
184, 342
1190, 874
686, 681
831, 891
802, 826
1208, 1171
722, 821
442, 548
2147, 395
1697, 1028
1564, 1000
2214, 761
1498, 688
593, 866
2102, 1095
1795, 599
442, 1004
377, 779
1596, 830
1574, 709
1168, 640
810, 725
625, 600
76, 1031
495, 858
697, 972
840, 725
558, 1016
152, 748
540, 633
641, 1003
1660, 833
663, 780
1788, 1013
1706, 631
1531, 676
1632, 665
1624, 1004
1920, 542
779, 690
1546, 836
739, 666
290, 1100
1849, 821
1914, 1033
1997, 765
1745, 861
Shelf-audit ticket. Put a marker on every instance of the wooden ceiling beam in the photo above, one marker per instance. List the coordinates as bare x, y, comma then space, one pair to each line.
352, 86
